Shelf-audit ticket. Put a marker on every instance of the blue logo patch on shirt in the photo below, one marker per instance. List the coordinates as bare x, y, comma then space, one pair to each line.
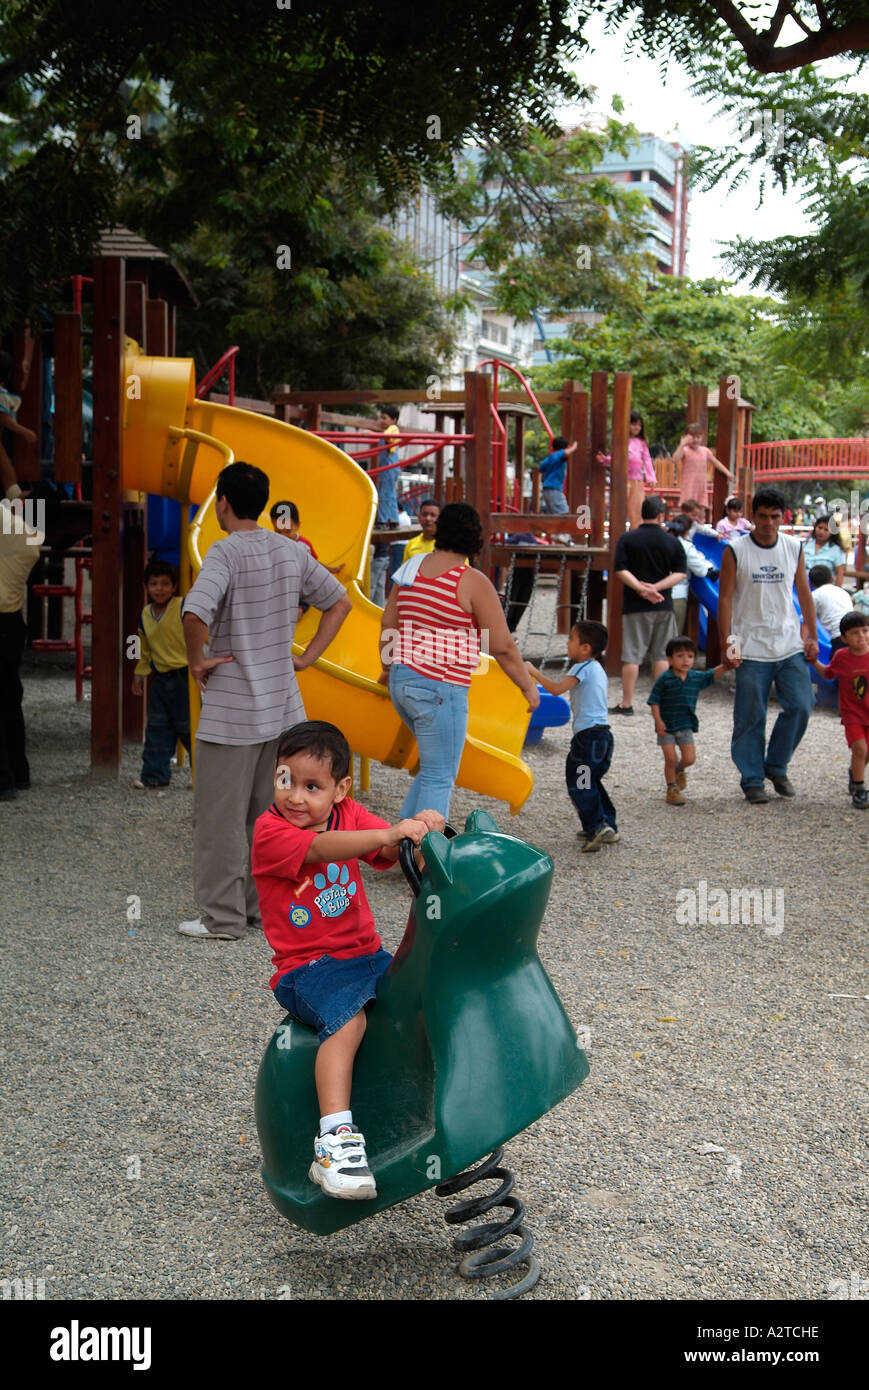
299, 916
335, 890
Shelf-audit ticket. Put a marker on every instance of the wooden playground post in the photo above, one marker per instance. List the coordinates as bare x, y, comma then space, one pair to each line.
597, 495
135, 295
157, 327
578, 463
478, 456
67, 398
108, 348
519, 458
618, 512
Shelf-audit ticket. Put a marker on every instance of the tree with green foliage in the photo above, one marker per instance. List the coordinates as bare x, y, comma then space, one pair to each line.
693, 331
545, 229
221, 112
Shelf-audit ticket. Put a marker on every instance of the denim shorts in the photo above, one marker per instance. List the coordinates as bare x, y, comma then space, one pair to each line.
681, 736
326, 993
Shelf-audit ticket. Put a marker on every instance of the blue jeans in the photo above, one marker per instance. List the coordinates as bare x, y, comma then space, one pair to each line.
168, 723
554, 501
591, 752
437, 715
794, 689
387, 499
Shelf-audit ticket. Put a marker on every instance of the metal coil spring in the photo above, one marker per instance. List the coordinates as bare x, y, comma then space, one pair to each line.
484, 1262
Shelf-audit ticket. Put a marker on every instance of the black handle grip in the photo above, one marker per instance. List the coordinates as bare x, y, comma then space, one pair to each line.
408, 863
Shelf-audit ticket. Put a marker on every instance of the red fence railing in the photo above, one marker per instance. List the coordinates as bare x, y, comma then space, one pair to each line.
809, 458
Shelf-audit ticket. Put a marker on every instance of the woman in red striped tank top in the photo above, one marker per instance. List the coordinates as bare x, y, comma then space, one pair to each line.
430, 646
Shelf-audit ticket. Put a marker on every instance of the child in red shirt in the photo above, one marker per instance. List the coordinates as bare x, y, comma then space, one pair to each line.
850, 666
316, 917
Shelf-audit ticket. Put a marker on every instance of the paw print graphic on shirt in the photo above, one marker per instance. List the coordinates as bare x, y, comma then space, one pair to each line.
335, 890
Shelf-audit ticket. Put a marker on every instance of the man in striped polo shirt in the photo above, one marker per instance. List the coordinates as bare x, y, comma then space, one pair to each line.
245, 604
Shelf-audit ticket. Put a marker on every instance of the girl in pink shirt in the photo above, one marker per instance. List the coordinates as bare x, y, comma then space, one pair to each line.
641, 470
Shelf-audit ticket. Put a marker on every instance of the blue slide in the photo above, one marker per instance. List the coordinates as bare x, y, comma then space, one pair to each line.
706, 591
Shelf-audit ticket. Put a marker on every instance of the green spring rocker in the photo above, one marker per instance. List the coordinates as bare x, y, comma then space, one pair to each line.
467, 1043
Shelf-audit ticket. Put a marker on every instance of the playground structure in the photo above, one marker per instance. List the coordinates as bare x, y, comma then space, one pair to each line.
135, 293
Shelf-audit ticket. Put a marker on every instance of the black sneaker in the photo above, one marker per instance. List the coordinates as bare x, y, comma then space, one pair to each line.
783, 787
618, 709
860, 798
757, 796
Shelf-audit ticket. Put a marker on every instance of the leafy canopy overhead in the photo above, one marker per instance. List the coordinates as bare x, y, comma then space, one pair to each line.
242, 99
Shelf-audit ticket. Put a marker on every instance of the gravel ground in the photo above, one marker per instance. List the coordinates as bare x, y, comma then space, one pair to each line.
130, 1054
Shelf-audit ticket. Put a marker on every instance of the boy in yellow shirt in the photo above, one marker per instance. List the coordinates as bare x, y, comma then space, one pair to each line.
429, 511
163, 657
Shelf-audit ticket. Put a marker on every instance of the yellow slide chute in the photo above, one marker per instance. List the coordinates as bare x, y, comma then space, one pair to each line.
175, 445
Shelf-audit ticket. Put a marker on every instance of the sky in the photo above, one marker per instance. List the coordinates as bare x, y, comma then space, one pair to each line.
669, 110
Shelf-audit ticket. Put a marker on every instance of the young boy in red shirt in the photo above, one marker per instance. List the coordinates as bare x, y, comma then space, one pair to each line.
316, 917
850, 666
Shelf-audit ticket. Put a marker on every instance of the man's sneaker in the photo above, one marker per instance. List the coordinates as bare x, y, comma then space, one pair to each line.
783, 787
594, 842
201, 932
860, 799
681, 779
582, 835
621, 709
609, 836
756, 795
675, 797
149, 786
340, 1165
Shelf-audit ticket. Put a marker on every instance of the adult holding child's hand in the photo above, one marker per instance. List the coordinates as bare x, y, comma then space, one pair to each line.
430, 645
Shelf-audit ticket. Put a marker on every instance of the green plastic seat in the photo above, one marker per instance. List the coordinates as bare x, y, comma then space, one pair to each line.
467, 1043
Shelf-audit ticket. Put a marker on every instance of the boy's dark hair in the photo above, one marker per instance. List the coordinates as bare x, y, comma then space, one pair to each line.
459, 528
820, 574
637, 419
595, 634
428, 502
652, 508
855, 619
558, 442
5, 367
680, 644
321, 740
678, 525
279, 512
245, 488
156, 567
691, 504
391, 410
769, 497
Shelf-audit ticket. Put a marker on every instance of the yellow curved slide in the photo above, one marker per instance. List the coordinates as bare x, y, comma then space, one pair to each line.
175, 445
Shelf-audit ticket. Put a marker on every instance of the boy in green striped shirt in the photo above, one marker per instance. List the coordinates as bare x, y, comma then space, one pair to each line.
673, 698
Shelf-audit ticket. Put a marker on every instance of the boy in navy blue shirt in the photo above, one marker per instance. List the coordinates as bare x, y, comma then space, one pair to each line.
553, 471
591, 748
673, 698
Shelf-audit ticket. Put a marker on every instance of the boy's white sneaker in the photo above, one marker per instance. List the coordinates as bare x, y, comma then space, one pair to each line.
340, 1165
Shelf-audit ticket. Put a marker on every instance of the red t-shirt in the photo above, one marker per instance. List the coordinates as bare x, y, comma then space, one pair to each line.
303, 540
852, 672
312, 910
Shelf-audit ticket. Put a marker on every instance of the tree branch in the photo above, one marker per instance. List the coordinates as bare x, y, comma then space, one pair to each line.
764, 57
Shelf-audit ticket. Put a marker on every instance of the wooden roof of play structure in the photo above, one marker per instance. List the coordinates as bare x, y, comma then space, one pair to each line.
164, 278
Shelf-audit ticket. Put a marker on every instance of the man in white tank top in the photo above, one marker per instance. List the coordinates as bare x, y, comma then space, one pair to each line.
763, 639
